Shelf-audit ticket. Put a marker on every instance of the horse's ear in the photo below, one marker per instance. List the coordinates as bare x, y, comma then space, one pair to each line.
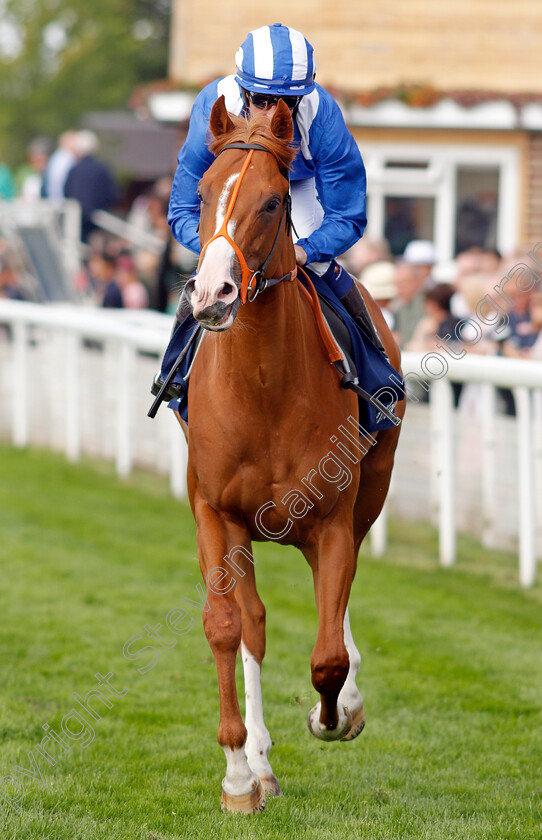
281, 123
220, 119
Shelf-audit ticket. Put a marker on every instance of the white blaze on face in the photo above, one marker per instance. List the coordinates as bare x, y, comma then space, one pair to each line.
222, 205
216, 267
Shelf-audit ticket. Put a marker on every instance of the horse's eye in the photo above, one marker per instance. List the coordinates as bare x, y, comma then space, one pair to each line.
199, 195
272, 205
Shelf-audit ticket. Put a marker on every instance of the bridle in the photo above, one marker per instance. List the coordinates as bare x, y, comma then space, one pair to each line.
252, 281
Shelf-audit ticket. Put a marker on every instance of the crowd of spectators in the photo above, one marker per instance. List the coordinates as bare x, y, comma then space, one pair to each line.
116, 272
472, 304
474, 299
422, 300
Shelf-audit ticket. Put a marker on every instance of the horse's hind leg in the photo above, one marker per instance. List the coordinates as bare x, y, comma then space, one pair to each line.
374, 482
350, 695
242, 790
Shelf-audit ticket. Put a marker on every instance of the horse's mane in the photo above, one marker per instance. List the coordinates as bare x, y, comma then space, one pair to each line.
256, 130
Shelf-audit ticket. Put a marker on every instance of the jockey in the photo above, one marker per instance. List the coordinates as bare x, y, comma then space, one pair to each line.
328, 176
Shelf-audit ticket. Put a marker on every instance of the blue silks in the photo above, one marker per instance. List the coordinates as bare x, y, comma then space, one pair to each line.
336, 278
375, 373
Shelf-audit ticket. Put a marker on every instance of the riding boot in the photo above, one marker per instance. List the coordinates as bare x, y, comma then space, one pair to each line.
355, 305
157, 382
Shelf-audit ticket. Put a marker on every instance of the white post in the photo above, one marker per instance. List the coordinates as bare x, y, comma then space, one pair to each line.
526, 511
20, 384
444, 222
379, 534
537, 400
442, 427
376, 218
72, 397
178, 457
489, 473
123, 447
71, 223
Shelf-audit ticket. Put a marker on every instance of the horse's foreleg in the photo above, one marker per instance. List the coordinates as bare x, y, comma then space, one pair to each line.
241, 787
333, 563
258, 743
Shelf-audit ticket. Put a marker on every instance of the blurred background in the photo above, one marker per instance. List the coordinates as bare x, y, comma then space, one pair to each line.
445, 102
446, 105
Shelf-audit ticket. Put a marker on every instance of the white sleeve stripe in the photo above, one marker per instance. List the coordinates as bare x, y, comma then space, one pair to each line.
299, 55
263, 53
308, 108
229, 87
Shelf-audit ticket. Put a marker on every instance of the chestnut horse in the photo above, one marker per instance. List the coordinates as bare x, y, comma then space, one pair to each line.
264, 404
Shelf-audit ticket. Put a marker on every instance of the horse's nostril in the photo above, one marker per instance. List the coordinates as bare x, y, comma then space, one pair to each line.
189, 288
227, 289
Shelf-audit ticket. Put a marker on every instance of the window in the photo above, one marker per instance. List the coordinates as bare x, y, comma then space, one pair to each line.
407, 218
477, 192
455, 195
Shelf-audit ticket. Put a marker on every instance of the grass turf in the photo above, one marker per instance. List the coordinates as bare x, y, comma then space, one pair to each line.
451, 674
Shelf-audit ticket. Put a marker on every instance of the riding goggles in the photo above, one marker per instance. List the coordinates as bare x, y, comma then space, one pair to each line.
267, 100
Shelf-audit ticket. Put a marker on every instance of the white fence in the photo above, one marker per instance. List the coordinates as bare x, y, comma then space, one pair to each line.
77, 380
49, 263
474, 469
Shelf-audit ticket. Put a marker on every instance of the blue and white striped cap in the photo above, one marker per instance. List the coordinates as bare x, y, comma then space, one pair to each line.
277, 60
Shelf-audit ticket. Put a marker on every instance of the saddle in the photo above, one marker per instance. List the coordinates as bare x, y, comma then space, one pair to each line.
351, 350
340, 333
361, 350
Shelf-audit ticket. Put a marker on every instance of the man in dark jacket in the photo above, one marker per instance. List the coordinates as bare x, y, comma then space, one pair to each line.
89, 181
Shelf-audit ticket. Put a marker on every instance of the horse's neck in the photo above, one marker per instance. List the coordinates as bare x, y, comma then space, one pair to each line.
270, 339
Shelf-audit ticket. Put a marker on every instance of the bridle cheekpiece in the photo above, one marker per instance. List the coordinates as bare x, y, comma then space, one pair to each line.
252, 281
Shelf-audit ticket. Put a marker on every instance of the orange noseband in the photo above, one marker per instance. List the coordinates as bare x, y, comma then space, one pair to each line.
250, 279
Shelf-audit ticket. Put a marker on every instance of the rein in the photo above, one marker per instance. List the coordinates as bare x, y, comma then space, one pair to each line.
252, 281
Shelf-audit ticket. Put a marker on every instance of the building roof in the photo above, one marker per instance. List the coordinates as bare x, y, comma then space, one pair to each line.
141, 147
400, 107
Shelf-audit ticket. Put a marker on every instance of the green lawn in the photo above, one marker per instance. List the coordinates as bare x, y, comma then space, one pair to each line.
451, 675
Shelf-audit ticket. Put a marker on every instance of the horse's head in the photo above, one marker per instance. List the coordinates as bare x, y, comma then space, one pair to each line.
242, 211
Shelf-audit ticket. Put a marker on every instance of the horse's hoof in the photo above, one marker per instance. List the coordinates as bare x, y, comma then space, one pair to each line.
319, 730
357, 727
245, 803
270, 784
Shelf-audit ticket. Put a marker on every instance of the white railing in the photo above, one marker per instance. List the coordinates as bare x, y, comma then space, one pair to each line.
61, 218
138, 237
524, 379
44, 374
77, 379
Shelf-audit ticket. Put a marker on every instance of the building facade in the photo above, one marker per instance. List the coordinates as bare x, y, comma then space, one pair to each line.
445, 101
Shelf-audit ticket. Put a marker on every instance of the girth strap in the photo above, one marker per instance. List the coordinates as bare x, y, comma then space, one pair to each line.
333, 351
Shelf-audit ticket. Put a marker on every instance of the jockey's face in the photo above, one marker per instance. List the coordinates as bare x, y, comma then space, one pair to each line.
261, 104
262, 112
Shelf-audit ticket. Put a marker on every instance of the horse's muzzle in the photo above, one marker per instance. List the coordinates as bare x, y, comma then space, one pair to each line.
219, 316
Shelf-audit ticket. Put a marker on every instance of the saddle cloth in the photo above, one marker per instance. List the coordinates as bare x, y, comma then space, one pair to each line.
364, 360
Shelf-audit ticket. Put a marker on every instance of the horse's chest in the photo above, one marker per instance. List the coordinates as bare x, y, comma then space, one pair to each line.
274, 488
